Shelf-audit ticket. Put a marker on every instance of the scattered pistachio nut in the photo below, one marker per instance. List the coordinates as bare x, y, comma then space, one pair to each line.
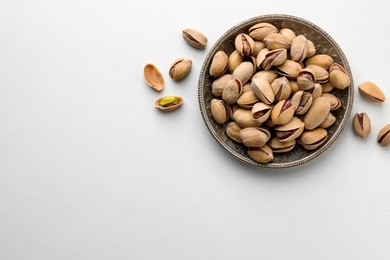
384, 136
180, 68
361, 124
372, 92
168, 103
153, 77
195, 38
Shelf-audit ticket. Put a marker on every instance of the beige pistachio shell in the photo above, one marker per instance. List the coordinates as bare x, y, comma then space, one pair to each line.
311, 49
316, 92
233, 131
234, 60
317, 113
322, 75
299, 48
261, 30
322, 60
232, 91
313, 139
180, 68
258, 47
281, 147
282, 112
254, 136
243, 72
244, 44
294, 86
290, 69
384, 136
153, 77
306, 79
290, 131
290, 34
168, 103
219, 64
302, 101
219, 111
246, 87
219, 84
327, 87
338, 76
329, 120
372, 92
195, 38
281, 88
247, 99
261, 111
244, 118
266, 59
262, 89
269, 75
263, 154
361, 124
334, 101
277, 41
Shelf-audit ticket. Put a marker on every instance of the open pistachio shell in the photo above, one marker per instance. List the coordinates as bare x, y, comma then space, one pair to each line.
384, 136
290, 131
313, 139
361, 124
168, 103
195, 38
371, 92
263, 154
153, 77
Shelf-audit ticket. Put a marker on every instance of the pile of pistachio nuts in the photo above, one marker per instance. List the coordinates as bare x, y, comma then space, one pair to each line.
273, 91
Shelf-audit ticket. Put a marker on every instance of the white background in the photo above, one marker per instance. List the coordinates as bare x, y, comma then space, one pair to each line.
89, 169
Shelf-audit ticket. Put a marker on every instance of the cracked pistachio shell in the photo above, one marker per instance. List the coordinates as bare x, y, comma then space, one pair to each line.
247, 99
316, 92
334, 102
322, 75
322, 60
311, 49
168, 103
384, 136
263, 154
290, 34
153, 77
338, 76
266, 59
299, 48
277, 41
244, 118
372, 92
234, 60
306, 79
302, 101
262, 89
317, 113
290, 69
281, 147
254, 136
261, 111
195, 38
261, 30
282, 112
281, 88
233, 130
258, 47
329, 120
219, 64
361, 124
269, 75
232, 91
180, 68
244, 44
313, 139
243, 72
219, 111
219, 84
290, 131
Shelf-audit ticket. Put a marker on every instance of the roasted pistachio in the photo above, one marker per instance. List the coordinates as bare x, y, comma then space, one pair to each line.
168, 103
219, 111
327, 87
180, 68
243, 72
384, 136
290, 131
311, 49
281, 88
299, 48
195, 38
219, 84
232, 91
329, 120
322, 60
317, 113
233, 130
261, 111
334, 102
219, 64
290, 34
338, 76
269, 75
281, 147
266, 59
313, 139
244, 44
247, 99
263, 154
254, 136
262, 89
322, 75
290, 69
306, 79
361, 124
153, 77
372, 92
302, 101
277, 41
282, 112
234, 60
244, 118
261, 30
258, 47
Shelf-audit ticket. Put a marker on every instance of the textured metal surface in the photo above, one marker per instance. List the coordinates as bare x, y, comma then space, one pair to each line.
324, 45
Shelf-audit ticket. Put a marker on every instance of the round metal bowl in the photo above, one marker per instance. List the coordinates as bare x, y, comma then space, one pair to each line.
324, 45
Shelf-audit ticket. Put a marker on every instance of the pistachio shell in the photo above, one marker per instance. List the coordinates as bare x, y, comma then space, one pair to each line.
306, 79
254, 136
232, 91
281, 147
329, 120
234, 60
247, 99
219, 64
281, 88
316, 92
361, 124
322, 75
168, 103
269, 75
262, 89
261, 111
334, 102
290, 69
282, 112
299, 48
233, 130
313, 139
338, 76
195, 38
153, 77
290, 34
243, 72
311, 49
261, 30
322, 60
290, 131
266, 59
317, 113
384, 136
244, 44
302, 101
372, 92
244, 118
258, 47
219, 84
263, 154
246, 87
277, 41
327, 87
219, 111
294, 87
180, 68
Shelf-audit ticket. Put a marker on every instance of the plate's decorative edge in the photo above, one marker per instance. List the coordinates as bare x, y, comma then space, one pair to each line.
324, 148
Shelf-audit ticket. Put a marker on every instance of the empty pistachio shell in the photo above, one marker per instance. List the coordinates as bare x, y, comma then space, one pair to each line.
281, 147
180, 68
263, 154
384, 136
219, 64
361, 124
372, 92
312, 139
153, 77
168, 103
261, 30
329, 120
254, 136
277, 41
317, 113
290, 131
282, 112
219, 111
233, 131
338, 76
299, 48
195, 38
234, 60
322, 60
244, 44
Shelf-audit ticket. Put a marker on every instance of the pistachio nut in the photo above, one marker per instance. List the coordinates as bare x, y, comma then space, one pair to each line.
261, 30
299, 48
329, 120
255, 136
281, 88
290, 34
384, 136
258, 47
262, 89
244, 118
316, 92
361, 124
294, 87
372, 92
232, 91
195, 38
302, 101
234, 60
219, 64
244, 44
233, 130
219, 111
338, 76
263, 154
168, 103
322, 75
266, 59
277, 41
281, 147
317, 113
261, 111
180, 68
153, 77
269, 75
282, 112
243, 72
290, 69
334, 102
219, 84
246, 87
306, 79
247, 99
311, 49
313, 139
290, 131
322, 60
327, 87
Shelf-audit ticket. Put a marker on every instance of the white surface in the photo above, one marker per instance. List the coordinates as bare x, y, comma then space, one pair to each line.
89, 169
